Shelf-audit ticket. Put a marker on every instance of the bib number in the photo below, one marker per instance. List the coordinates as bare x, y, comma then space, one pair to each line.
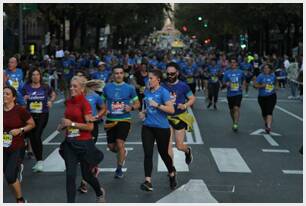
189, 80
66, 71
214, 79
141, 90
117, 107
36, 107
7, 140
234, 87
15, 84
73, 132
269, 88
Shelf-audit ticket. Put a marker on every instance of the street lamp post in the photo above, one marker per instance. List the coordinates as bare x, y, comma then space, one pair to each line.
20, 29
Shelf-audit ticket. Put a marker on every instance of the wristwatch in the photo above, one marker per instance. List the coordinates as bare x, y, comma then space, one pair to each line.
73, 124
22, 130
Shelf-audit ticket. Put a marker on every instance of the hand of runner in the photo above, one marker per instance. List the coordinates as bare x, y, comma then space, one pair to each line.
50, 104
15, 132
66, 122
142, 115
153, 103
181, 106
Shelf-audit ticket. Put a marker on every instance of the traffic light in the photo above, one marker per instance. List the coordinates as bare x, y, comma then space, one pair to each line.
205, 23
200, 18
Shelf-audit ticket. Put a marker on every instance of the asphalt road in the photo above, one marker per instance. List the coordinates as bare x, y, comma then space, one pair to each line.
228, 167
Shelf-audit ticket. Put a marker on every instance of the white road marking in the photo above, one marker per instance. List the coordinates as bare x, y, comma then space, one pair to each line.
293, 172
262, 132
179, 162
195, 191
54, 162
271, 141
51, 136
196, 129
289, 113
189, 138
59, 101
276, 150
126, 143
127, 148
229, 160
111, 169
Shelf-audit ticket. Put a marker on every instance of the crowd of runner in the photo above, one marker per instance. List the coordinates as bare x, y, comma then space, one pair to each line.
105, 88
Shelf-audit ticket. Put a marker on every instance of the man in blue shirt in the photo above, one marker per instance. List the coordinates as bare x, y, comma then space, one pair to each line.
247, 68
234, 80
120, 99
182, 98
15, 79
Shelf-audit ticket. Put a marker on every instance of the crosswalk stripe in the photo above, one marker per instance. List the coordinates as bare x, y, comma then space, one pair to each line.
54, 162
276, 150
271, 141
293, 172
179, 162
229, 160
111, 169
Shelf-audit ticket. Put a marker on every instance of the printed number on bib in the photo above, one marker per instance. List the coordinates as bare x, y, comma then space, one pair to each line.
15, 84
269, 87
7, 140
190, 80
234, 86
118, 107
66, 71
73, 132
214, 79
36, 107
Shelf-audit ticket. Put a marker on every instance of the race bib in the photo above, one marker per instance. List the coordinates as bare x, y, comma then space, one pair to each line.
189, 80
141, 90
15, 84
269, 88
214, 78
66, 70
117, 107
7, 140
36, 107
73, 132
173, 97
234, 87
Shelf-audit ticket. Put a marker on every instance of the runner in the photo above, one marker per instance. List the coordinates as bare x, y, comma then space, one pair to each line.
266, 83
120, 99
189, 71
95, 102
156, 127
78, 146
247, 68
182, 98
234, 80
16, 122
213, 83
15, 79
39, 97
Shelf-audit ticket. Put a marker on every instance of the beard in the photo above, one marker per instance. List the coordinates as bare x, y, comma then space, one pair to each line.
172, 79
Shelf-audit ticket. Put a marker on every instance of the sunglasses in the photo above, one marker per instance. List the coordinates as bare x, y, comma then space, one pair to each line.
119, 73
171, 74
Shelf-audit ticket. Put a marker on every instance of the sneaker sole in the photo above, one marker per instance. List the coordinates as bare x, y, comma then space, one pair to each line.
191, 157
20, 176
145, 188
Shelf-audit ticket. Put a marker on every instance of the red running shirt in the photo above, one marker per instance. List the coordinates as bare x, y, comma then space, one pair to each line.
14, 119
76, 109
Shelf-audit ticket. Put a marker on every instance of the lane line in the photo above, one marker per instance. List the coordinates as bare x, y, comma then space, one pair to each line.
51, 136
196, 129
276, 150
229, 160
126, 143
293, 172
271, 141
179, 162
59, 101
289, 113
111, 169
127, 148
189, 138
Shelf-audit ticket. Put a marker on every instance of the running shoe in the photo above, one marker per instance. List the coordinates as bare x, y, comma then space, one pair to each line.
38, 167
30, 155
188, 156
146, 186
21, 200
268, 130
235, 127
215, 107
118, 173
209, 105
21, 167
173, 181
101, 198
83, 187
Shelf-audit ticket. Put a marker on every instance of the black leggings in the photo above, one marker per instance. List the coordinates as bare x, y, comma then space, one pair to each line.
41, 121
95, 131
71, 161
213, 91
11, 164
192, 87
162, 137
267, 104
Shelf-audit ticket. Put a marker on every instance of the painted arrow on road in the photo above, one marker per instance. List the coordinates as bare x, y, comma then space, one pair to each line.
262, 132
268, 137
